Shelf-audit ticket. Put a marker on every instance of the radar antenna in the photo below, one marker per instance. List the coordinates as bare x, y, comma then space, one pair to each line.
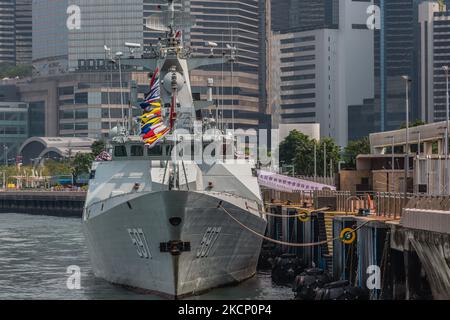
170, 19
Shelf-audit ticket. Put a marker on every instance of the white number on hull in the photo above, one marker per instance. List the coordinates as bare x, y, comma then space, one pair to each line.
139, 240
208, 240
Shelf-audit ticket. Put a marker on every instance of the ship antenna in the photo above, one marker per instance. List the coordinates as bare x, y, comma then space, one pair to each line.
172, 14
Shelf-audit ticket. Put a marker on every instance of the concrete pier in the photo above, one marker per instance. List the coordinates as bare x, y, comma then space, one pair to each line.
49, 203
400, 250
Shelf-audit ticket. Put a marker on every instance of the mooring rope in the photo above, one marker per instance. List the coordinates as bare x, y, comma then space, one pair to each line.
299, 245
298, 215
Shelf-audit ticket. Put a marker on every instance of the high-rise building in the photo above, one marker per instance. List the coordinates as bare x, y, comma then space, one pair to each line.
50, 37
7, 33
71, 41
23, 31
325, 71
15, 31
396, 55
59, 47
304, 14
13, 129
434, 36
80, 104
110, 23
236, 24
307, 72
74, 85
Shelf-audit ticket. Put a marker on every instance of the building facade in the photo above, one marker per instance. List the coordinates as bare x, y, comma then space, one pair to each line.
323, 72
81, 104
435, 36
15, 32
60, 47
13, 129
75, 35
7, 32
304, 14
23, 31
236, 24
50, 37
306, 77
239, 24
396, 55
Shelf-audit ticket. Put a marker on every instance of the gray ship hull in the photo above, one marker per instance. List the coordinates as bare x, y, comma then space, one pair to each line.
176, 243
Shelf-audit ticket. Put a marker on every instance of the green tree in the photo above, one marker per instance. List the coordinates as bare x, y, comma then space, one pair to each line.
12, 71
56, 168
81, 164
298, 150
332, 156
98, 147
354, 149
413, 124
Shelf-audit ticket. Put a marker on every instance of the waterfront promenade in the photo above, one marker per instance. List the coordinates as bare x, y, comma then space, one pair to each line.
45, 202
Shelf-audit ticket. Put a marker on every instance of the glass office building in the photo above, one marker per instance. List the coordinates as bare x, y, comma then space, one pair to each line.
61, 44
7, 33
235, 23
304, 14
13, 129
223, 22
110, 23
396, 55
23, 31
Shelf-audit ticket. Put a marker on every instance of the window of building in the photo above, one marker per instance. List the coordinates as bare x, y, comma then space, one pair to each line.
154, 152
120, 151
137, 151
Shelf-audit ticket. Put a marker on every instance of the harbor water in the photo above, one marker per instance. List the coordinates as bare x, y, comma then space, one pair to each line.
36, 252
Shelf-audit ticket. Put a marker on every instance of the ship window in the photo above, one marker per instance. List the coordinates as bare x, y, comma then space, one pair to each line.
120, 151
137, 151
156, 151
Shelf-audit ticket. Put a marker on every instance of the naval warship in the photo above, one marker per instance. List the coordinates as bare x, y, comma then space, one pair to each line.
167, 224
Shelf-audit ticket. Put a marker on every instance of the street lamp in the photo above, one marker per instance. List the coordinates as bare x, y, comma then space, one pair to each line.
119, 54
108, 61
408, 82
315, 161
232, 60
5, 153
446, 69
393, 162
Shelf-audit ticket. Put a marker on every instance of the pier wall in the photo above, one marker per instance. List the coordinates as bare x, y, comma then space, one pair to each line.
49, 203
433, 252
404, 241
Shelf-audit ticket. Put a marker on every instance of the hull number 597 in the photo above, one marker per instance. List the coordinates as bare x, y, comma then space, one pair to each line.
208, 241
140, 242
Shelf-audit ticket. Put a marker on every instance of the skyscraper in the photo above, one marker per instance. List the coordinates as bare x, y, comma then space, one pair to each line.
110, 23
15, 31
65, 42
325, 71
7, 33
23, 31
434, 36
230, 24
396, 55
61, 47
50, 37
304, 14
